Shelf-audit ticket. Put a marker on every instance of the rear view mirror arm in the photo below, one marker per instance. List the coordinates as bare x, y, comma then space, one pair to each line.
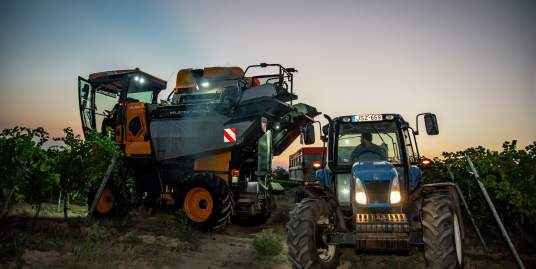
415, 143
324, 149
416, 131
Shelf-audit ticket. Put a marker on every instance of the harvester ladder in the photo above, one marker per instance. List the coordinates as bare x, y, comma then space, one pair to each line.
102, 186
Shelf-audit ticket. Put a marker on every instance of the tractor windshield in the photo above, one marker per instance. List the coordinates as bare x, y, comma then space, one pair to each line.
368, 141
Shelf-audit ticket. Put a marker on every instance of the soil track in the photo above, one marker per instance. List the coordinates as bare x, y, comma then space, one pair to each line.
154, 241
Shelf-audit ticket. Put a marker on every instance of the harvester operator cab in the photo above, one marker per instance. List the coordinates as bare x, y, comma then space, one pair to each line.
109, 99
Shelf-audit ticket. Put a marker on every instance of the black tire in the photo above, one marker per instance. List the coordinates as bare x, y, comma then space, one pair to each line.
110, 196
222, 201
442, 232
304, 235
299, 195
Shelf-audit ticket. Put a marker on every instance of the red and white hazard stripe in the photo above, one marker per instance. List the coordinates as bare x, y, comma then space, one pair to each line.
229, 135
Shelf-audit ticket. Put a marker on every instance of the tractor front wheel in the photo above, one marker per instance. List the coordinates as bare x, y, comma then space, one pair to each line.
207, 202
309, 220
442, 232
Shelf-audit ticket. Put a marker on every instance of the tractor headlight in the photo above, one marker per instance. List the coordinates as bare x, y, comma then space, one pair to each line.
360, 195
395, 197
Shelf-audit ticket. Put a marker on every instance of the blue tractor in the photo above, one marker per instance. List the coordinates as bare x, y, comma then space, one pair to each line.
368, 195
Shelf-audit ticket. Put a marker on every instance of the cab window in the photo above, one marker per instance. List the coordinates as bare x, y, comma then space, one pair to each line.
142, 96
140, 89
409, 147
385, 141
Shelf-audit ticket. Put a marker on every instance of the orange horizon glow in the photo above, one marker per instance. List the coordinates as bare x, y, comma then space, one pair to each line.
472, 63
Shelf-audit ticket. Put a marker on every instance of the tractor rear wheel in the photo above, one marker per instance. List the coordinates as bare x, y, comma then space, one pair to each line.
442, 232
308, 222
207, 202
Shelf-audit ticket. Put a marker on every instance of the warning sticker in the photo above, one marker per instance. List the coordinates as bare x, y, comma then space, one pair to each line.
229, 135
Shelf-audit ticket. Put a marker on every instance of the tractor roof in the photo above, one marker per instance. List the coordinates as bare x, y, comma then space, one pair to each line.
116, 76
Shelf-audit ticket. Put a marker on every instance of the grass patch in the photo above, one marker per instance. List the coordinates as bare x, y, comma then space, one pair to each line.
184, 231
48, 210
268, 243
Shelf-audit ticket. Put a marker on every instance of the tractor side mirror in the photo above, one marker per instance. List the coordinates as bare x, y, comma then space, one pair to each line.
325, 131
308, 134
430, 121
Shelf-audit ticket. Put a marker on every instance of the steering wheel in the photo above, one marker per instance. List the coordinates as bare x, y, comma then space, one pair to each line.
357, 156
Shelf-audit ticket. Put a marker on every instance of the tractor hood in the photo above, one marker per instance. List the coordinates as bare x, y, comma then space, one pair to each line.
374, 171
376, 179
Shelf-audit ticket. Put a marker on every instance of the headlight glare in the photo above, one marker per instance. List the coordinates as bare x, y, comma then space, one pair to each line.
395, 196
360, 195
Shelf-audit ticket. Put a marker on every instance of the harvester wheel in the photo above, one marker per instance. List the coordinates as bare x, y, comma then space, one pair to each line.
442, 232
107, 204
306, 248
207, 202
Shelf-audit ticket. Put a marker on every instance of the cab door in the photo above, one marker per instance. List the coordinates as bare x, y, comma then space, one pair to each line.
96, 105
86, 100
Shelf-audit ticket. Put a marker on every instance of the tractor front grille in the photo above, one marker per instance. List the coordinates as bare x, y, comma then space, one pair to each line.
377, 192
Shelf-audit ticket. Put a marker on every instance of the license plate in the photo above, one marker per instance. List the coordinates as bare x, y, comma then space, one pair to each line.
367, 117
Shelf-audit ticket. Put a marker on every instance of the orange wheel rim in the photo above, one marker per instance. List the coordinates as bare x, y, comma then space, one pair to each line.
106, 201
198, 204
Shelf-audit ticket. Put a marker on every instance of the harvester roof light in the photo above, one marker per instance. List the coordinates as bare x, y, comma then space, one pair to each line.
346, 119
205, 84
136, 78
142, 80
389, 117
277, 126
346, 141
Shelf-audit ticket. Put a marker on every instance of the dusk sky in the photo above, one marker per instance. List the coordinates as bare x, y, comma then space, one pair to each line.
473, 63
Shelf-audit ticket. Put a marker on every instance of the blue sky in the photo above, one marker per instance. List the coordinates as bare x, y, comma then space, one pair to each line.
473, 63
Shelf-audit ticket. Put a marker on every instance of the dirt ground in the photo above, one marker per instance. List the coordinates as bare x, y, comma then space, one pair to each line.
159, 241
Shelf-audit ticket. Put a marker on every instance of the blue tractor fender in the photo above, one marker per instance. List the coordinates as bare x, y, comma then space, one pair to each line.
415, 175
